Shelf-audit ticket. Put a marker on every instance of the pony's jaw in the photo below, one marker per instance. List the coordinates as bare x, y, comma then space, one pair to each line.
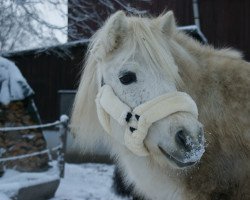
166, 150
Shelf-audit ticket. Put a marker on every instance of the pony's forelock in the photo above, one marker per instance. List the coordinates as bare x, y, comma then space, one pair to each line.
154, 49
144, 37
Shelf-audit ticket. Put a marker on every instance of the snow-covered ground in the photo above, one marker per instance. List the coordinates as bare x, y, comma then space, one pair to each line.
12, 180
87, 182
81, 182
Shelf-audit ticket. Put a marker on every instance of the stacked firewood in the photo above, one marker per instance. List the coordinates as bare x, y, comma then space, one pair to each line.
15, 143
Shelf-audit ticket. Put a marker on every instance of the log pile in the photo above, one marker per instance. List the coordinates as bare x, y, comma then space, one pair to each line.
21, 113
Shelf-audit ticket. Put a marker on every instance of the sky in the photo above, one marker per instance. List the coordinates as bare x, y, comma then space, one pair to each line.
16, 33
53, 16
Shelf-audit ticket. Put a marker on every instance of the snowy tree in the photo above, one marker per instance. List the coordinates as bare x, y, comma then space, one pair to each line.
84, 17
28, 24
24, 24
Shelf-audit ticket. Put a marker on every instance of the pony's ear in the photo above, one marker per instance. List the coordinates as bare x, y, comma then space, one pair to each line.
110, 36
167, 23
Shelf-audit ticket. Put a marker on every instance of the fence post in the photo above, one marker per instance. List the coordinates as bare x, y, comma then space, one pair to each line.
63, 134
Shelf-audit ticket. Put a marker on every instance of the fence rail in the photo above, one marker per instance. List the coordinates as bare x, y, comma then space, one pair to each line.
63, 119
31, 154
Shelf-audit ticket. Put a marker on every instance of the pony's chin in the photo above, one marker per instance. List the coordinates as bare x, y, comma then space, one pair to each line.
174, 162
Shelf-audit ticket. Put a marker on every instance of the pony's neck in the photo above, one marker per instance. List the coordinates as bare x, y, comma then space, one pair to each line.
198, 65
198, 68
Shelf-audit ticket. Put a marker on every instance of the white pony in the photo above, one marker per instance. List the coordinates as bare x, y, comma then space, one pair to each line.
134, 97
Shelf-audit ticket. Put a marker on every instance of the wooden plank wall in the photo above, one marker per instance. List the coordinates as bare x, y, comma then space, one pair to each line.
47, 72
225, 23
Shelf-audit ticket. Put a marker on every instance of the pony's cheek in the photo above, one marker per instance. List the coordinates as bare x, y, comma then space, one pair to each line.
117, 131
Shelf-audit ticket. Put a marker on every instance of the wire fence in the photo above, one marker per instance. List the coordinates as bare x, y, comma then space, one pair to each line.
63, 127
21, 128
46, 151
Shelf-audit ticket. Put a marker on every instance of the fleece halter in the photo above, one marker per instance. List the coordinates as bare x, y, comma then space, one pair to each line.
137, 121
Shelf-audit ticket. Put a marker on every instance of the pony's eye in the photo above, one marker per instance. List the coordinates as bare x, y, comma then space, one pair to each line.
128, 78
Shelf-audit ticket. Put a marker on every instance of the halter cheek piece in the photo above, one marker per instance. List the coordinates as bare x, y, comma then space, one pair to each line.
138, 121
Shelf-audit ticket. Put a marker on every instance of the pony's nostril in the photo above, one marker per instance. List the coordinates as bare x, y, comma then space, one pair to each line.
181, 139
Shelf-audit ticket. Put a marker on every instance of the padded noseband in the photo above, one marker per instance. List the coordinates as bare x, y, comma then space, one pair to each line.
137, 121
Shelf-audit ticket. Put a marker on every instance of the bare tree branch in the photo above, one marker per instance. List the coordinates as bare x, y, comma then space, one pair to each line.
24, 24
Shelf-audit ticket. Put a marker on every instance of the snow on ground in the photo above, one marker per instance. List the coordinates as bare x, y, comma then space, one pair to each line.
81, 182
13, 180
87, 182
3, 196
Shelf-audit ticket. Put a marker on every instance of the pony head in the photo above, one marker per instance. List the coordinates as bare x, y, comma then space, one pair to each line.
133, 56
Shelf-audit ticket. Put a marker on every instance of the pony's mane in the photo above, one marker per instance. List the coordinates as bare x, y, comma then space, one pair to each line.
84, 121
